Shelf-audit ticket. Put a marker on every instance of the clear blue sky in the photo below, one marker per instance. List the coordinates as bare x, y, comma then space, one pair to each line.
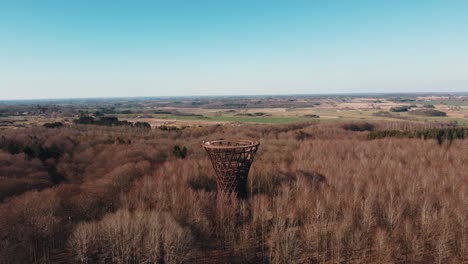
92, 48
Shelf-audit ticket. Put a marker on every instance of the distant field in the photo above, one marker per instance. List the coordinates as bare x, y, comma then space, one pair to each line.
265, 120
266, 110
326, 115
260, 119
448, 102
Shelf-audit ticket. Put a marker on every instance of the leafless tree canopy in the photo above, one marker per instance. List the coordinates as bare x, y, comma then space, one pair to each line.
317, 193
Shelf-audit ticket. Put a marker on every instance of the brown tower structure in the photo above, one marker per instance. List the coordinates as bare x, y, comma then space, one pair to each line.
231, 160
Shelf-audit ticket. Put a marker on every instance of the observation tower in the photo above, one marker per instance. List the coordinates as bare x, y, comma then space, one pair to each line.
231, 160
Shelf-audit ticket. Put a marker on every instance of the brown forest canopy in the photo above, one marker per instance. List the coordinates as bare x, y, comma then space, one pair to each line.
317, 193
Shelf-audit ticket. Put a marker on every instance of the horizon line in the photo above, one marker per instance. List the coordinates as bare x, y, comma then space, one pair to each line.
232, 95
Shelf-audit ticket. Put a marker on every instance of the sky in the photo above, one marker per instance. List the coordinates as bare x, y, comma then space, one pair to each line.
117, 48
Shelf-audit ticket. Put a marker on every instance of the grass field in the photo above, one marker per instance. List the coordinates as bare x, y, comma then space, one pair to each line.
448, 102
326, 115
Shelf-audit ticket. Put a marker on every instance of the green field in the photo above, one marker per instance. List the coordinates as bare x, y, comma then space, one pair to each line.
447, 102
260, 119
325, 116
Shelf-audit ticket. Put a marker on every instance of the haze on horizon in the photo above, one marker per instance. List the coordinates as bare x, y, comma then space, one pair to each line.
67, 49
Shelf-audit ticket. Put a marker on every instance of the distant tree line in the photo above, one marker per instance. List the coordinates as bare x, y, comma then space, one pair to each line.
402, 100
440, 134
108, 121
404, 108
358, 127
428, 112
53, 125
170, 128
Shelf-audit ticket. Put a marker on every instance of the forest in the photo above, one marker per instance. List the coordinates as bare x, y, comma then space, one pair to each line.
317, 193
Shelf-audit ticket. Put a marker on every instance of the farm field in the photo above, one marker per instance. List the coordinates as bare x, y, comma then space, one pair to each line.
269, 110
